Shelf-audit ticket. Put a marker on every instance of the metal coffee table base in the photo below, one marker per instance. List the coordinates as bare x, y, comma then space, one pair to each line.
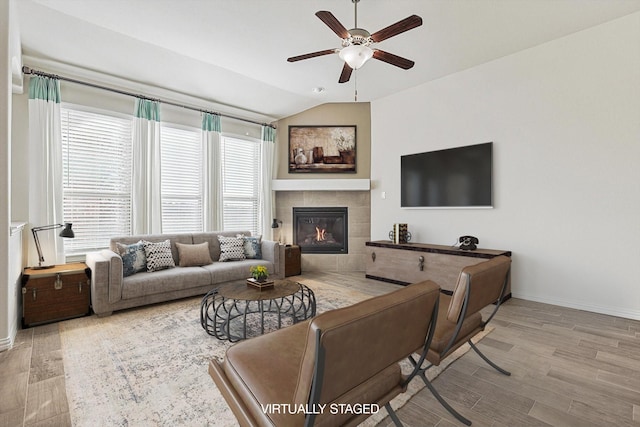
234, 319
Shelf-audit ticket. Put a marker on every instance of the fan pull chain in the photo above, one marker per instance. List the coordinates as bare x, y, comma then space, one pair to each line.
355, 77
355, 85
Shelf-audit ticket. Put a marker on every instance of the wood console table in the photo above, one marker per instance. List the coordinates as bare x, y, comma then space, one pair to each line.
407, 263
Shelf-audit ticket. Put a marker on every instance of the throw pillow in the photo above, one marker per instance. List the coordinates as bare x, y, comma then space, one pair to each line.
231, 248
193, 255
159, 255
252, 247
134, 259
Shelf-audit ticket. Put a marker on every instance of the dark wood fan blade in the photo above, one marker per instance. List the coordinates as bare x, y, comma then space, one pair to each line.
392, 59
399, 27
346, 73
333, 23
311, 55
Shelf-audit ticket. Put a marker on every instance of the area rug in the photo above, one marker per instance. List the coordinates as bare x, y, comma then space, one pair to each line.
148, 366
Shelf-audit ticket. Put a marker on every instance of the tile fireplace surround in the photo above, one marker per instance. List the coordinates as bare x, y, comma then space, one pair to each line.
359, 206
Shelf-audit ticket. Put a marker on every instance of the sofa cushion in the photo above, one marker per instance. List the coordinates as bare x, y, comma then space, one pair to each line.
158, 255
134, 258
252, 247
231, 248
226, 271
193, 255
171, 281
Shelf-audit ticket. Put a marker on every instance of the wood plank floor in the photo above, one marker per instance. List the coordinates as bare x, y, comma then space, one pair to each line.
569, 368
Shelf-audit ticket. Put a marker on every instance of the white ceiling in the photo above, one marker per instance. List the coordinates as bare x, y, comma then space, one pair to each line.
233, 52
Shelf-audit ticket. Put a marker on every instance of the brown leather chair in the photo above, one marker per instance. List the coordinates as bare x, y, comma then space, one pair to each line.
459, 317
347, 356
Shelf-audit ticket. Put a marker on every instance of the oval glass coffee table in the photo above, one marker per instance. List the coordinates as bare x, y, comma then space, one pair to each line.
236, 311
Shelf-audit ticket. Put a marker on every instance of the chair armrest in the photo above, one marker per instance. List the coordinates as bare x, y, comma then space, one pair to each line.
274, 252
237, 405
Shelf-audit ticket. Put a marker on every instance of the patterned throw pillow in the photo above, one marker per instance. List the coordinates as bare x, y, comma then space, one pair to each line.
159, 255
193, 255
252, 246
134, 259
231, 248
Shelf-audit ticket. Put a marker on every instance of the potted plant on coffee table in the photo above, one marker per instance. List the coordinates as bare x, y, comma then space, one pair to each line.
259, 273
259, 277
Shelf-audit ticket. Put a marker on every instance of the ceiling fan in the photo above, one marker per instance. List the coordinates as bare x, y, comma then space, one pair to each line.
356, 43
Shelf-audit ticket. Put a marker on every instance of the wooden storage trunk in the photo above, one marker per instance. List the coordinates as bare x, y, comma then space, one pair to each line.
292, 256
57, 293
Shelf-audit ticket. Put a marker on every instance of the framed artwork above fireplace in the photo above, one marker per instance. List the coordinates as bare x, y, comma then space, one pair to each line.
322, 149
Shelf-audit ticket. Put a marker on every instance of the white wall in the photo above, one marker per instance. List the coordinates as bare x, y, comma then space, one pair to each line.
565, 121
7, 321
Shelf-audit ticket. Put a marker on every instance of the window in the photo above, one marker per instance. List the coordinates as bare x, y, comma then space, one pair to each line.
181, 180
97, 179
96, 160
241, 184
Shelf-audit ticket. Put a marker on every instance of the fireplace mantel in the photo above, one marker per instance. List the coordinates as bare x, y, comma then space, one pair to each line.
321, 184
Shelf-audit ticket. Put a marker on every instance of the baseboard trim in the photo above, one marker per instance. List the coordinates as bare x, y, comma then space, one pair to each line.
7, 342
611, 311
384, 279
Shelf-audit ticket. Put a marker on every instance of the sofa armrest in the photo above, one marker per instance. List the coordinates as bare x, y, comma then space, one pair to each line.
99, 266
115, 274
274, 252
106, 279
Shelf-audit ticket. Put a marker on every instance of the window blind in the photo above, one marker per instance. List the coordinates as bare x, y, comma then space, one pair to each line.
96, 152
241, 184
181, 180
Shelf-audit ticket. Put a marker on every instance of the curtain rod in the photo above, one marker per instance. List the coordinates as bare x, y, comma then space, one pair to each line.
27, 70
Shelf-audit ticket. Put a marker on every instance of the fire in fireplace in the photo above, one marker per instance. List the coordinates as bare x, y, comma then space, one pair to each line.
321, 230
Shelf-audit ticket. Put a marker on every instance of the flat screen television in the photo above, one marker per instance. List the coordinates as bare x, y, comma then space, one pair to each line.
454, 177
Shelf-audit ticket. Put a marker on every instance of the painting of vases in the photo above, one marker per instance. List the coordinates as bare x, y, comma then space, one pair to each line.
322, 149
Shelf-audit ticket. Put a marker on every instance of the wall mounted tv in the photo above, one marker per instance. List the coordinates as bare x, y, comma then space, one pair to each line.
454, 177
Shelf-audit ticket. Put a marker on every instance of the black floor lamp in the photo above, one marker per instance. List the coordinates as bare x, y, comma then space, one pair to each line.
67, 232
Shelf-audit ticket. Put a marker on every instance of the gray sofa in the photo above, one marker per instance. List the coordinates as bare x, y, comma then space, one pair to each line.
110, 291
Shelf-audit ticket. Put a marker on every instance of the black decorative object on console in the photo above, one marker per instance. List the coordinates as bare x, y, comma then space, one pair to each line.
468, 243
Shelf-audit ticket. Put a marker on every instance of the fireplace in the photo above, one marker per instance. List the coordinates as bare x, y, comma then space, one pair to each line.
321, 230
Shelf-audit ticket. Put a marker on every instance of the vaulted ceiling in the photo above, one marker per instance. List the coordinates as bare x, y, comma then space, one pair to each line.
233, 52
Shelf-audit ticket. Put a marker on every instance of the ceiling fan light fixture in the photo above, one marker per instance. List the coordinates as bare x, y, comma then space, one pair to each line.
356, 55
356, 42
